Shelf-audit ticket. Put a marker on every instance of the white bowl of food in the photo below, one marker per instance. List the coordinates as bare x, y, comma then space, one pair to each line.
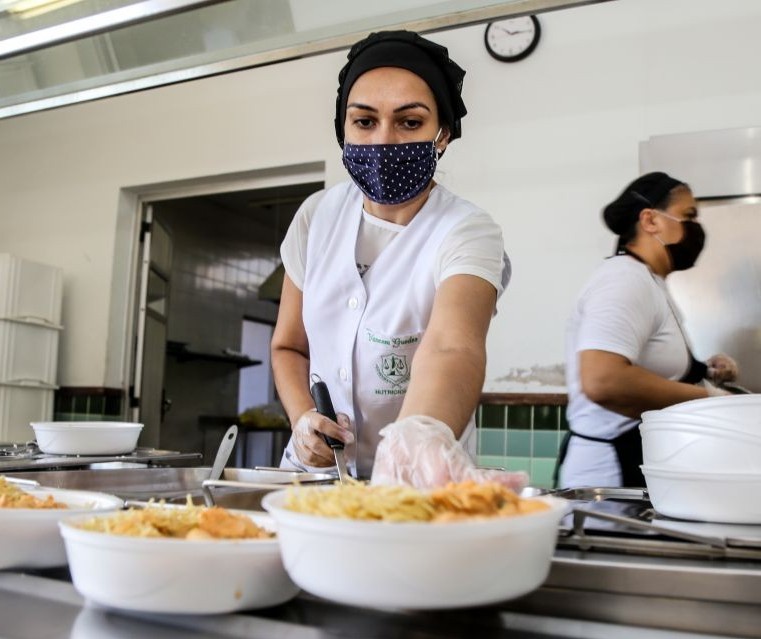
29, 517
684, 446
410, 564
86, 438
744, 411
730, 498
128, 561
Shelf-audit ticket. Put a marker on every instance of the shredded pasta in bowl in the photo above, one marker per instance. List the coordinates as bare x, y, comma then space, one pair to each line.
11, 496
189, 522
177, 559
397, 547
454, 502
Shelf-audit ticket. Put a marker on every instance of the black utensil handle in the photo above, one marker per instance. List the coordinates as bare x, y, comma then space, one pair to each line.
324, 406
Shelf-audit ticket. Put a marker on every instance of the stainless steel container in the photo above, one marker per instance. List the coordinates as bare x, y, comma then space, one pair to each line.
175, 484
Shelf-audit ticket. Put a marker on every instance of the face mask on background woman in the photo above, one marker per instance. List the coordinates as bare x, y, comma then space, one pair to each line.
685, 252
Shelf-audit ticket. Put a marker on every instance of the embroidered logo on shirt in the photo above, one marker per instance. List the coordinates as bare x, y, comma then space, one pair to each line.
393, 365
393, 369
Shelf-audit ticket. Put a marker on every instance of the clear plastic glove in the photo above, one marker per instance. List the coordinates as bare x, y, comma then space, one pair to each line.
721, 368
422, 452
309, 446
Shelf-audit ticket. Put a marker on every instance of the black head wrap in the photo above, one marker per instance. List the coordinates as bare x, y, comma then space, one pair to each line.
407, 50
647, 191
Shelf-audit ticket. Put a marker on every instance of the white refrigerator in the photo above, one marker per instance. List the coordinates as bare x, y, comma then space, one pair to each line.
720, 298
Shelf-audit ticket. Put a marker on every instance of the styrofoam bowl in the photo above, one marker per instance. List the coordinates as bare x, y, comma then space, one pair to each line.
702, 424
730, 498
699, 448
684, 418
29, 537
416, 565
740, 409
86, 438
177, 575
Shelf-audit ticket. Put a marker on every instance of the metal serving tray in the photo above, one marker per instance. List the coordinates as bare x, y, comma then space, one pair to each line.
175, 484
623, 520
25, 457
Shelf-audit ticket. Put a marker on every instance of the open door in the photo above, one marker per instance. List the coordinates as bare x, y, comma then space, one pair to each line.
150, 349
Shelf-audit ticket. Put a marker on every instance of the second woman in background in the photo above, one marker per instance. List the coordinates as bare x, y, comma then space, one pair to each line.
626, 352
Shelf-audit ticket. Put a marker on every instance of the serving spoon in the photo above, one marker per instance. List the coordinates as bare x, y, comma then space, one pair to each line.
223, 454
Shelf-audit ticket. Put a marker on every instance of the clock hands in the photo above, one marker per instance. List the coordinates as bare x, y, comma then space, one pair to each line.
508, 32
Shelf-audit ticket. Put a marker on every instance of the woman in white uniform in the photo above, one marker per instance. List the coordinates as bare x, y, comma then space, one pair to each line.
625, 349
391, 280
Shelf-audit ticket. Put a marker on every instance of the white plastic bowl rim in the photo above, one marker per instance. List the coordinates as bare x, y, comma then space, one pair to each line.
179, 576
56, 427
673, 416
696, 405
738, 426
71, 526
672, 473
723, 434
410, 530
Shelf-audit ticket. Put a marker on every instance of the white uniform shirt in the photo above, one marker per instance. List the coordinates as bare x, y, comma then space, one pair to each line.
624, 309
363, 330
474, 247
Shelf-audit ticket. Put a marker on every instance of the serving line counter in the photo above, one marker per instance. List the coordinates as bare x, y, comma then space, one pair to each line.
607, 579
44, 604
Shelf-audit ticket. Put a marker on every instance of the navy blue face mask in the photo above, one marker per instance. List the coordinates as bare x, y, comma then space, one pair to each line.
391, 173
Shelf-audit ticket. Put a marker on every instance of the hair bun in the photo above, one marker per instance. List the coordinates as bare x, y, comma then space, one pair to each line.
647, 191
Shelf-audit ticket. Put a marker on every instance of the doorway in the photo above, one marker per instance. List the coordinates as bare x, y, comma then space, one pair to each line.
213, 358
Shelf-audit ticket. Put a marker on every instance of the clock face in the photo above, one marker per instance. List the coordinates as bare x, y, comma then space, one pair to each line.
512, 39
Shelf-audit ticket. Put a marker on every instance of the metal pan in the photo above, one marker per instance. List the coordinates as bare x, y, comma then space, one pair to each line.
175, 484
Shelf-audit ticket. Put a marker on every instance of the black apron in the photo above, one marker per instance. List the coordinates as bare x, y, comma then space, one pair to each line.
628, 445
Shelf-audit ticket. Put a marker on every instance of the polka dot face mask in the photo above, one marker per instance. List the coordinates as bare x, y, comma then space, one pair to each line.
391, 173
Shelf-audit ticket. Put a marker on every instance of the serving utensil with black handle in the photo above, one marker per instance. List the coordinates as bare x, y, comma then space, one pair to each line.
324, 406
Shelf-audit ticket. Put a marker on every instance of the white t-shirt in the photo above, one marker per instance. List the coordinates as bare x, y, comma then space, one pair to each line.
473, 247
624, 309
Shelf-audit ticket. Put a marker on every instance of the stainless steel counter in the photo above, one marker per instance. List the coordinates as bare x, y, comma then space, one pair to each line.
37, 606
693, 595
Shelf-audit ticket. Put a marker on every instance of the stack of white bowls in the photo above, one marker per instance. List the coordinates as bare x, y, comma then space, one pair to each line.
702, 459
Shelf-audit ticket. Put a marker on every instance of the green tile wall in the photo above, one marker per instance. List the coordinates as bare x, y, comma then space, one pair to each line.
87, 407
521, 438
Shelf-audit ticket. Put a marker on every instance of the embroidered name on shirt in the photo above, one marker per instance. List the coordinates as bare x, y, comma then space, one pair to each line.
392, 341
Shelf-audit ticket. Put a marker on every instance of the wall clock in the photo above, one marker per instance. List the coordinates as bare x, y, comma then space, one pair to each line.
512, 39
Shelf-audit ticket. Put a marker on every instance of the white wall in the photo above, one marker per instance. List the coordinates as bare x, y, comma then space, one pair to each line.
546, 143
